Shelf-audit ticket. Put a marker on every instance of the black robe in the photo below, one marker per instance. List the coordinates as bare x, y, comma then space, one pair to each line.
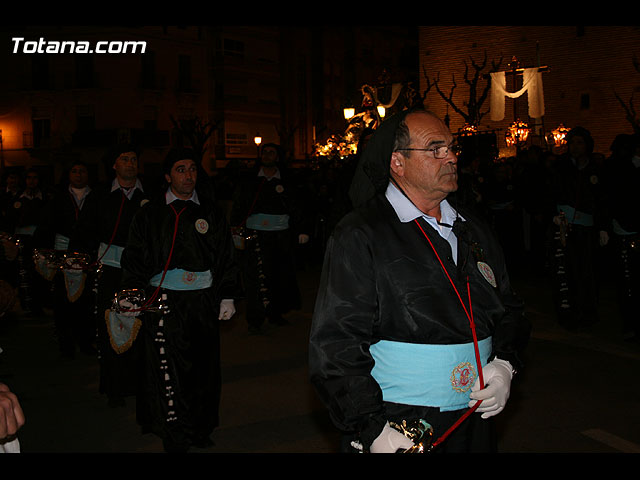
190, 329
74, 320
268, 262
106, 218
382, 281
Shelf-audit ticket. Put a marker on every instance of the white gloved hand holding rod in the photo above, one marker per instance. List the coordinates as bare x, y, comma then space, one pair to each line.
497, 379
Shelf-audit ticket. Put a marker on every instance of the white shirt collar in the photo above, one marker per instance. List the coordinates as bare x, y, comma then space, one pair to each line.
26, 194
115, 185
408, 212
275, 175
169, 197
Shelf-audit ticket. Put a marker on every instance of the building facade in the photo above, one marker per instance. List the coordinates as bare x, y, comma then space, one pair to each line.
586, 68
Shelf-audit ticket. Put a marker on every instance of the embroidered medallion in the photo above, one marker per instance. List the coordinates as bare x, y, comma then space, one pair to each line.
487, 273
17, 204
189, 277
202, 226
462, 377
279, 188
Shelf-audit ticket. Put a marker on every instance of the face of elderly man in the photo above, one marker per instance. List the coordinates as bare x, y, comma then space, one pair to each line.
426, 179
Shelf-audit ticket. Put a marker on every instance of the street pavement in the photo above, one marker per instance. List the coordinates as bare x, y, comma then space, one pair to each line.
578, 393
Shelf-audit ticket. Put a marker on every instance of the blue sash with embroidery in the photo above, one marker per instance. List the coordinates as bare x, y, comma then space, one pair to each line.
178, 279
268, 222
427, 375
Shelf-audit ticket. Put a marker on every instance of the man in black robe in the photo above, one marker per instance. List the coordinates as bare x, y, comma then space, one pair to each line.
268, 205
73, 297
413, 293
582, 220
103, 229
180, 246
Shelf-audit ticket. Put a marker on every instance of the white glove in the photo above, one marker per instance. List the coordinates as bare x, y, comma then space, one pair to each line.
497, 377
227, 309
390, 440
604, 238
303, 238
125, 305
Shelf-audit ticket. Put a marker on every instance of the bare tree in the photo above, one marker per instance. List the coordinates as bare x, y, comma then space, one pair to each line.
629, 107
196, 132
471, 108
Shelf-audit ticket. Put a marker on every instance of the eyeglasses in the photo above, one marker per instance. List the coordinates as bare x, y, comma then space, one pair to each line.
439, 152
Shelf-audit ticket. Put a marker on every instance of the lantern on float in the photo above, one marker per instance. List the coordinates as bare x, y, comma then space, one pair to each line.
517, 133
559, 135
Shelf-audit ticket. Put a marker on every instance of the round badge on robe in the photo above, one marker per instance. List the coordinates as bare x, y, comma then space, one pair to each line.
487, 273
279, 188
144, 202
202, 226
17, 205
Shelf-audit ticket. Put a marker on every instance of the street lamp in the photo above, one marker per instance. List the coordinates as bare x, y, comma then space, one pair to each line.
349, 112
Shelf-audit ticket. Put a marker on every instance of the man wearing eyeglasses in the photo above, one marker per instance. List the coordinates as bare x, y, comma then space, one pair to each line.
415, 317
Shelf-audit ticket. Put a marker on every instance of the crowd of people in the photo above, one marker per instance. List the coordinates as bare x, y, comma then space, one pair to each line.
180, 252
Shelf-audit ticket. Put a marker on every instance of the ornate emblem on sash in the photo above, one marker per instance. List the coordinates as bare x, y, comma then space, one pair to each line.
189, 277
202, 226
487, 273
462, 377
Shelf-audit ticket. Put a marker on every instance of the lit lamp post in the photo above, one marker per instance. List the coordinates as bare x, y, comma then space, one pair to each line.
381, 111
348, 112
257, 140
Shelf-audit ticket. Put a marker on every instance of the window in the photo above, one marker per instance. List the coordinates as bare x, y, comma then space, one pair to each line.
84, 71
184, 73
233, 48
585, 101
148, 74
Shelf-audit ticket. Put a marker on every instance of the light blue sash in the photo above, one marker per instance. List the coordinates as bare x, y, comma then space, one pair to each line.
26, 230
618, 230
60, 242
427, 375
576, 217
267, 222
112, 255
178, 279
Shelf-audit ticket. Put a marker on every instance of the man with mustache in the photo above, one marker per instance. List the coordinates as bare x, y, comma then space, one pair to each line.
415, 318
180, 251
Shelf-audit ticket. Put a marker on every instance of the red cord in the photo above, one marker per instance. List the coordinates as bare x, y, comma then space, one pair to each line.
475, 340
166, 267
